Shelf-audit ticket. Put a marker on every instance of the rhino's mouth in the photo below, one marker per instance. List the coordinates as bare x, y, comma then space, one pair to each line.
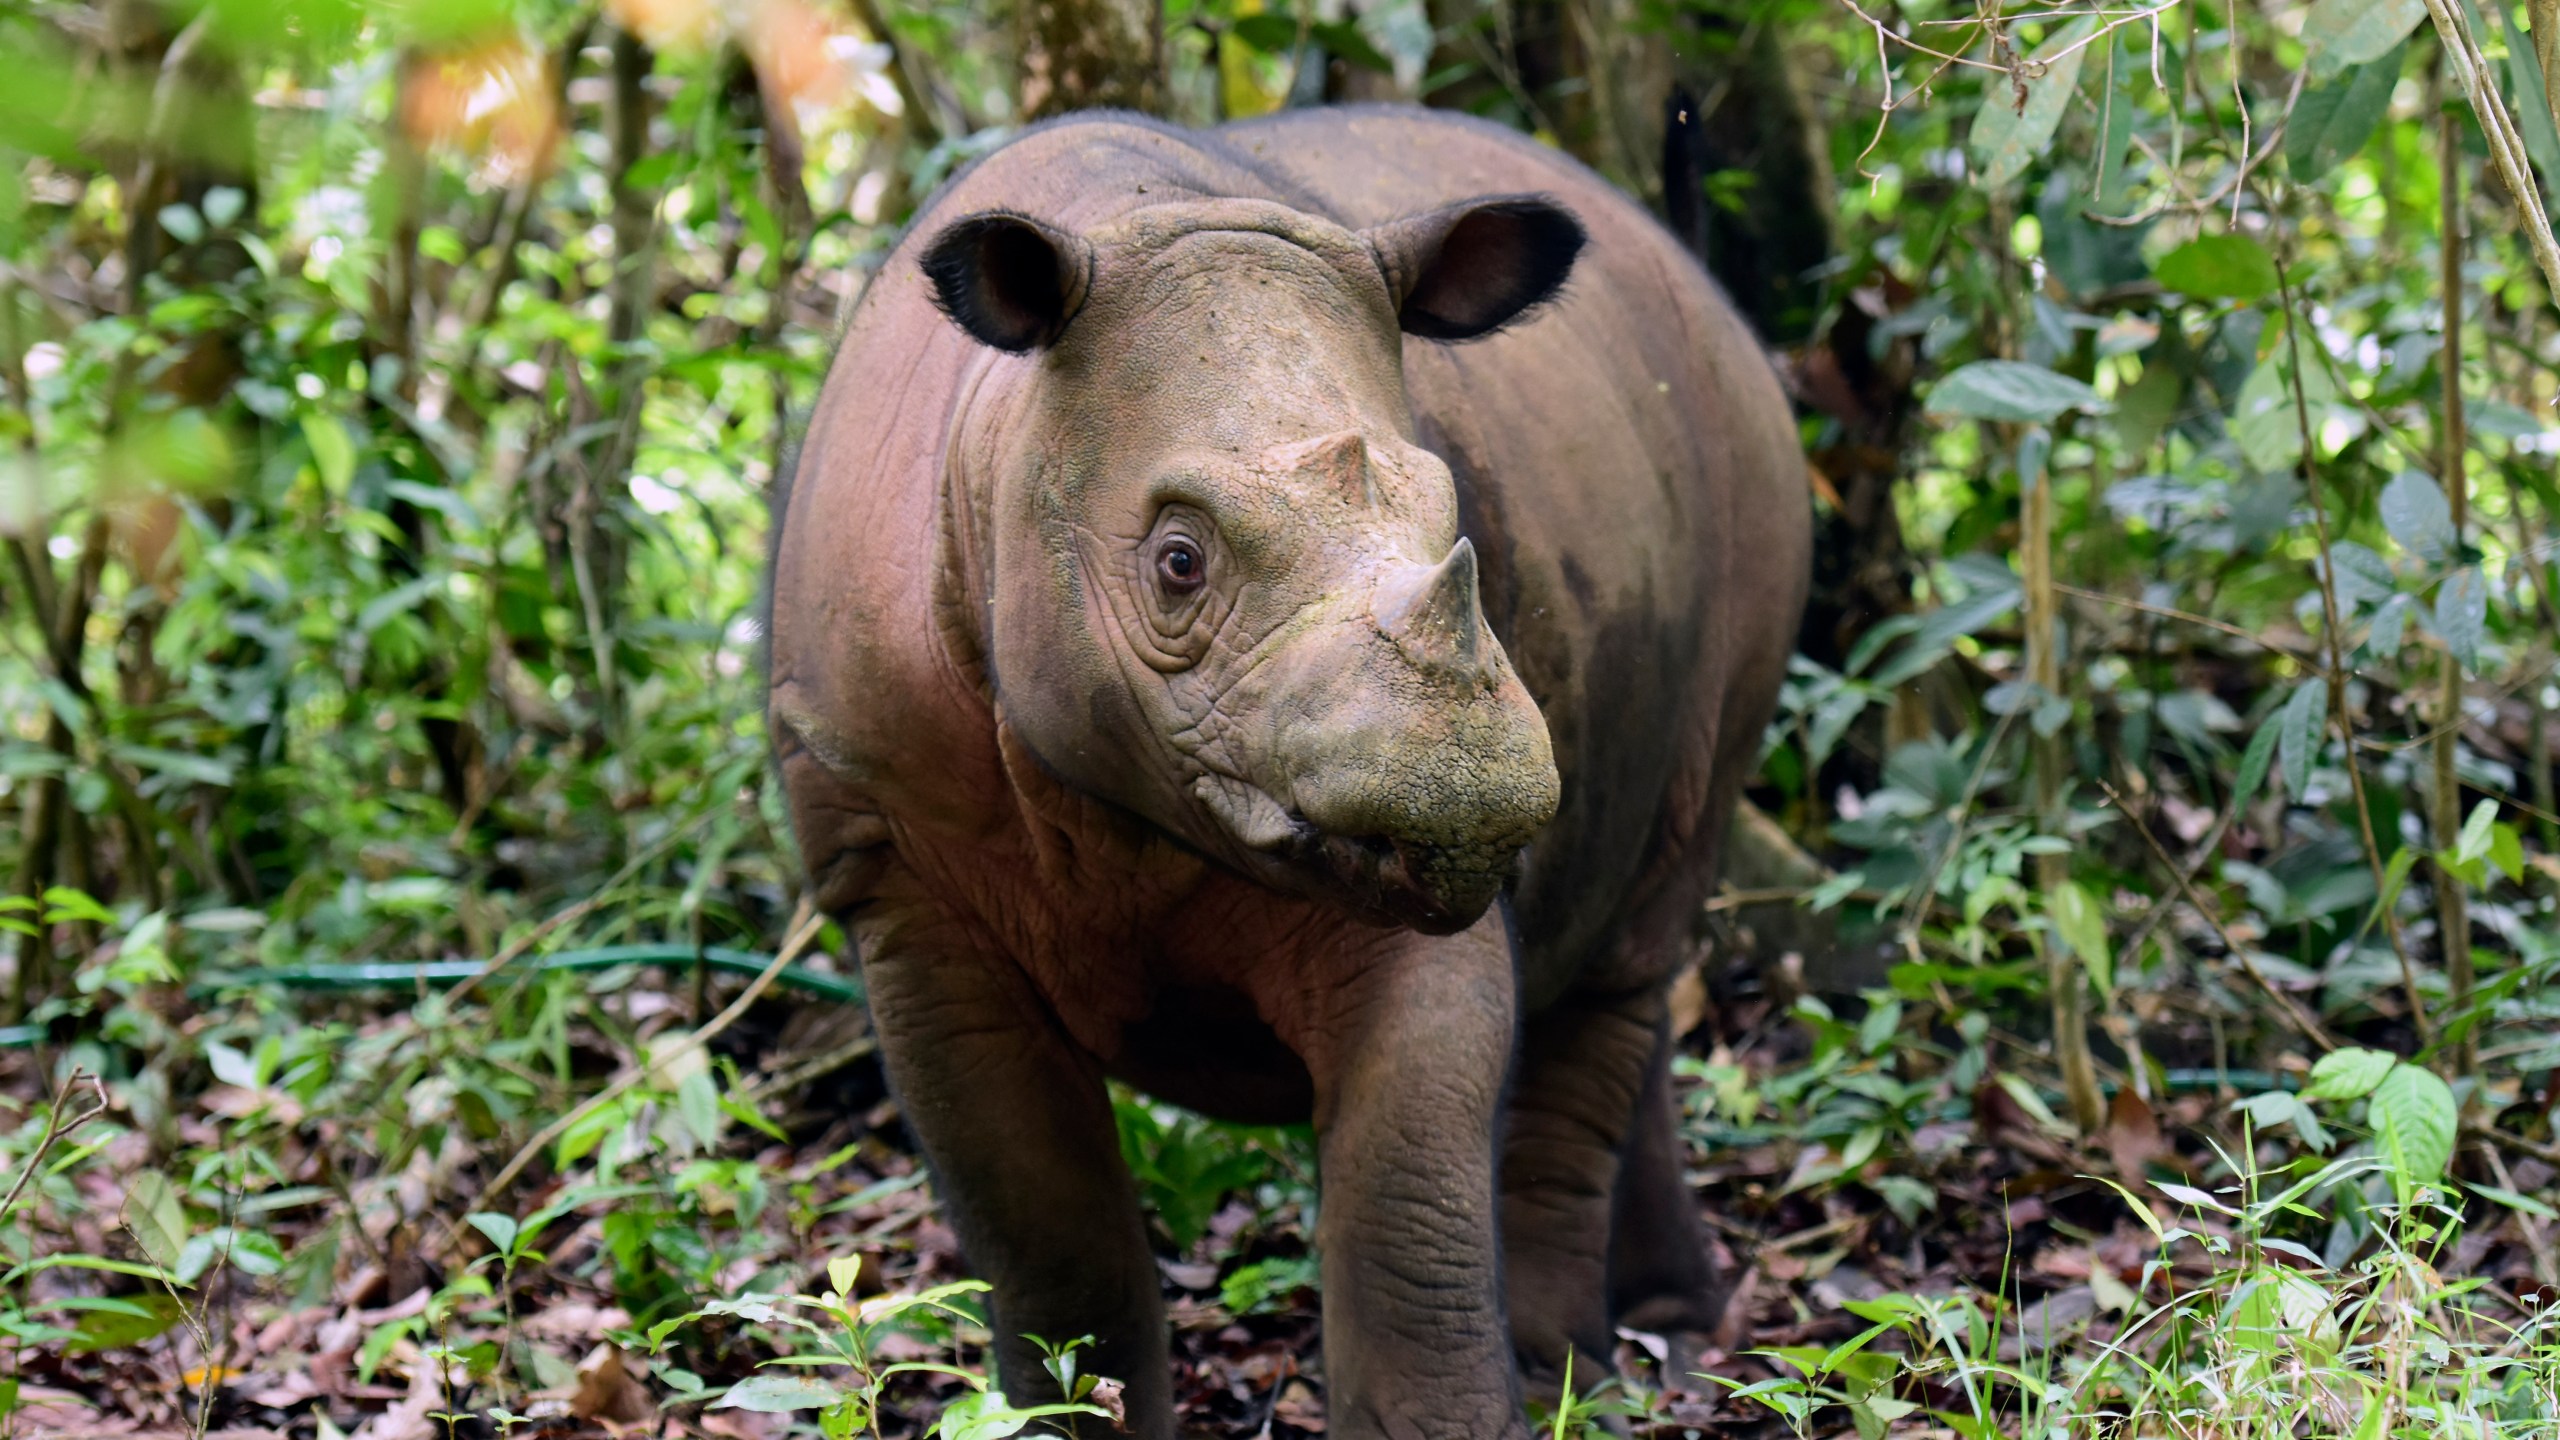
1436, 889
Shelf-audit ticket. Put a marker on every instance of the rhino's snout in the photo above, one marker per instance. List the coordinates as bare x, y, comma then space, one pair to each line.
1412, 767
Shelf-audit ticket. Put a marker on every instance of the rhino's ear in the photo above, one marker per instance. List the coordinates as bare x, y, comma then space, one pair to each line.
1471, 268
1008, 280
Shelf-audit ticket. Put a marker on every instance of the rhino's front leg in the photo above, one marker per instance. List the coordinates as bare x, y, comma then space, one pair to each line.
1409, 1068
1017, 1127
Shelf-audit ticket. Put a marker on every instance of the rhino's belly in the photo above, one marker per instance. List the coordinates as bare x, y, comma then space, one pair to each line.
1206, 1049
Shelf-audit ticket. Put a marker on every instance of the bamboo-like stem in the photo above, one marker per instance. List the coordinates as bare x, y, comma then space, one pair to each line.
2069, 987
2453, 899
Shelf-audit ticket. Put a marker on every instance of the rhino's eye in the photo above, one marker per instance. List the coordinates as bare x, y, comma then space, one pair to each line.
1180, 566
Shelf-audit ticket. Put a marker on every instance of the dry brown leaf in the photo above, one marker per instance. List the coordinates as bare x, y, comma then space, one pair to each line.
608, 1390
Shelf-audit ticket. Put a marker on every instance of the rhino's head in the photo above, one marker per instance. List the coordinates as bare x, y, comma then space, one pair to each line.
1224, 587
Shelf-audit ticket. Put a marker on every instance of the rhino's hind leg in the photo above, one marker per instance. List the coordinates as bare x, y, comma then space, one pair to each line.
1582, 1073
1018, 1130
1662, 1275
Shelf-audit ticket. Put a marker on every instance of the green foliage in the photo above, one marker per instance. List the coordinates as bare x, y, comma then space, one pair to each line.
385, 507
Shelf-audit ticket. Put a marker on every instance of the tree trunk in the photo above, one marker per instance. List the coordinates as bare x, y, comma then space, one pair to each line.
1089, 54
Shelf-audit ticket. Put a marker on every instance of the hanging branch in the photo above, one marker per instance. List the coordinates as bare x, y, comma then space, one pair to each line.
2506, 147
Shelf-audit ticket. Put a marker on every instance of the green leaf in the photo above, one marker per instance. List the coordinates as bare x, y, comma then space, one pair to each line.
2506, 851
2413, 1118
2415, 513
2462, 614
127, 1322
2340, 33
2525, 1204
2012, 390
2348, 1074
63, 904
698, 1104
2473, 843
777, 1394
2253, 765
2300, 727
501, 1229
397, 600
2331, 122
2219, 267
2007, 139
157, 1218
2083, 927
2266, 423
331, 451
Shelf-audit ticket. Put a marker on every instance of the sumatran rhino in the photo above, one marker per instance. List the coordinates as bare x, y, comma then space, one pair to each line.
1280, 616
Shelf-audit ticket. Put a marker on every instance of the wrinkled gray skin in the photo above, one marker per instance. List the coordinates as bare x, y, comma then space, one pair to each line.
1230, 634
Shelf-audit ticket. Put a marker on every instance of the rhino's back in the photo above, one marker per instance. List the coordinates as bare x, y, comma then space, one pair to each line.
1628, 468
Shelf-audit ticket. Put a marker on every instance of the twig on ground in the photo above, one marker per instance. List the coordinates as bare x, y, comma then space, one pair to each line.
2302, 1023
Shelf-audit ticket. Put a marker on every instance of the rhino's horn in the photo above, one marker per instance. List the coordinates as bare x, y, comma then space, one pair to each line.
1436, 619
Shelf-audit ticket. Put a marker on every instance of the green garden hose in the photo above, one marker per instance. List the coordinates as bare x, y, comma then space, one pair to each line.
392, 975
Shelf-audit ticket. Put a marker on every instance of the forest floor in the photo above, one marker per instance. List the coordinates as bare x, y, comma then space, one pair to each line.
337, 1307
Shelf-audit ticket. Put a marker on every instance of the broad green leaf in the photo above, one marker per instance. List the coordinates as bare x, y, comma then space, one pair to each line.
777, 1394
2253, 765
251, 1252
2414, 1118
2333, 121
2219, 267
2266, 423
157, 1218
2083, 927
2473, 843
2012, 390
62, 903
2279, 1310
2301, 726
2007, 139
2506, 851
331, 451
2390, 627
2340, 33
501, 1229
2348, 1074
125, 1322
2363, 577
698, 1102
2462, 614
2415, 512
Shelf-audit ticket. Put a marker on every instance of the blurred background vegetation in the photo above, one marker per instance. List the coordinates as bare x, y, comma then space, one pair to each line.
393, 391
